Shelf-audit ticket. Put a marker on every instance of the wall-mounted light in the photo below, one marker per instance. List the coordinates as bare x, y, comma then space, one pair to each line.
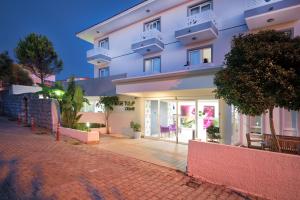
88, 124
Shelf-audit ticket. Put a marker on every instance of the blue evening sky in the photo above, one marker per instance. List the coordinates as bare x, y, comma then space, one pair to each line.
59, 20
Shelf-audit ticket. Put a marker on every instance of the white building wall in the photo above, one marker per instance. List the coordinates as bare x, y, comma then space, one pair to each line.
174, 56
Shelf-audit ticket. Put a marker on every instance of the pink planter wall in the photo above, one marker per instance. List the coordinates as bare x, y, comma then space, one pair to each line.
86, 137
266, 174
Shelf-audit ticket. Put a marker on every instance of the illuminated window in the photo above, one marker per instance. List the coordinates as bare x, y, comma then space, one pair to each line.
199, 56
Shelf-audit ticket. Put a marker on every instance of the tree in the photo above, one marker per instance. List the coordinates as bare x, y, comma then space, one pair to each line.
72, 102
37, 54
263, 72
53, 92
108, 103
11, 73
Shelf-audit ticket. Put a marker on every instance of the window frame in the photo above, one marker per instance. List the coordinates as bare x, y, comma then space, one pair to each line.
288, 29
151, 58
151, 21
104, 68
199, 48
189, 8
102, 40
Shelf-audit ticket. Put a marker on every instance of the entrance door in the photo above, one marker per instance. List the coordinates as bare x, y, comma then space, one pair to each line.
208, 114
167, 120
186, 120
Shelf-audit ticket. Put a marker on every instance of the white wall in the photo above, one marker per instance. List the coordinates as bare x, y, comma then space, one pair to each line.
21, 89
174, 56
120, 119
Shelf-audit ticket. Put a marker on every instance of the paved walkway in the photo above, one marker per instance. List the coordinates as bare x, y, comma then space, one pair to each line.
36, 167
154, 151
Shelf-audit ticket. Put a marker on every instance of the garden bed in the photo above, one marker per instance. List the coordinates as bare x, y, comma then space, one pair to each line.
91, 137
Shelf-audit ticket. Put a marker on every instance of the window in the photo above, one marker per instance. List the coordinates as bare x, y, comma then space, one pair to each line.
287, 32
104, 43
92, 106
256, 124
155, 24
152, 65
199, 56
104, 72
196, 9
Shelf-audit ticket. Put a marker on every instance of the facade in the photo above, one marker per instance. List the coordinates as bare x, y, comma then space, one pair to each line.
169, 51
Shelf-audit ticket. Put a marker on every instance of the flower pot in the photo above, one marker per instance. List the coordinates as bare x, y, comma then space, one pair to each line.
137, 135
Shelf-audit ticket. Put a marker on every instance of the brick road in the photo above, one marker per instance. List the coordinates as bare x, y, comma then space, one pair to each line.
36, 167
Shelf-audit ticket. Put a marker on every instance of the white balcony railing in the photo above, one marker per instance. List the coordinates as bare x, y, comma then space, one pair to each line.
149, 34
97, 51
201, 18
250, 4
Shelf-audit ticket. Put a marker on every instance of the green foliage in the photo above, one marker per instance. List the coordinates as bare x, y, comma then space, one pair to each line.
72, 103
37, 54
54, 92
135, 126
213, 132
11, 73
108, 103
93, 125
82, 127
262, 72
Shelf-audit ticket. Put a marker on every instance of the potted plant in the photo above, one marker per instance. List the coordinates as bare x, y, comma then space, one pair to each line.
136, 127
213, 133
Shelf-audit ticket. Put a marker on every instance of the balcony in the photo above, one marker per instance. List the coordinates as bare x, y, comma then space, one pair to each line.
263, 13
200, 27
149, 42
98, 56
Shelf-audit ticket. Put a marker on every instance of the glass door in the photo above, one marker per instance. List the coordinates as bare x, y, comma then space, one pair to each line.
186, 120
167, 119
208, 114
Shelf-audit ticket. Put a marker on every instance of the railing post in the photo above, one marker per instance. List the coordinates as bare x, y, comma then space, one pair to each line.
57, 131
19, 119
32, 124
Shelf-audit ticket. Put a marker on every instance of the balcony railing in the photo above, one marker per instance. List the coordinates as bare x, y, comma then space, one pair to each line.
258, 3
202, 17
97, 51
149, 34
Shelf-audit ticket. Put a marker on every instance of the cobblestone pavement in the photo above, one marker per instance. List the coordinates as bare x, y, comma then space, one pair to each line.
36, 167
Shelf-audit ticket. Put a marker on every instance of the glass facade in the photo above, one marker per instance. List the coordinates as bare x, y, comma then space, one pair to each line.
180, 120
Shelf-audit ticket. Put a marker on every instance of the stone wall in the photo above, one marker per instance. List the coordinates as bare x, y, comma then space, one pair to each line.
44, 111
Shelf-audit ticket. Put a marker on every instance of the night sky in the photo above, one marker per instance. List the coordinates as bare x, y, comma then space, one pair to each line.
59, 20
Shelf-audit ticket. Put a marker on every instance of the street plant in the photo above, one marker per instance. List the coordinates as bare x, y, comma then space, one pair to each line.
262, 72
36, 53
72, 102
108, 103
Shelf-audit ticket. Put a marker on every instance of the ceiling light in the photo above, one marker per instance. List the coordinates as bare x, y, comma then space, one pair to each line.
147, 10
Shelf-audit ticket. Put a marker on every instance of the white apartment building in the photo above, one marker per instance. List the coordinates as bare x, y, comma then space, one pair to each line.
167, 52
